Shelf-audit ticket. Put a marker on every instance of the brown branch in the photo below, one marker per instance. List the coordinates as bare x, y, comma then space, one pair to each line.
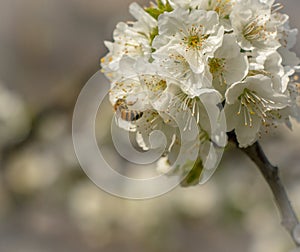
271, 175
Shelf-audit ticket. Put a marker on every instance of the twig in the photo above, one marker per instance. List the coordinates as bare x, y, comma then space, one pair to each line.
271, 175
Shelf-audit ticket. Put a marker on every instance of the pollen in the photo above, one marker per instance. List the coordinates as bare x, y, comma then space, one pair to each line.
155, 83
196, 38
193, 41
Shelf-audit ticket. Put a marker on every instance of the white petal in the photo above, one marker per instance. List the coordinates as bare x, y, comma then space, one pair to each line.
234, 91
247, 135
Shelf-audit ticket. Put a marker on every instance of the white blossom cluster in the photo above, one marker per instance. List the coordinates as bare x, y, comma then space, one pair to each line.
185, 60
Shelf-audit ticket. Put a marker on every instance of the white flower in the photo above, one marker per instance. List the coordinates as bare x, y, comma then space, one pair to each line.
229, 65
194, 34
287, 38
137, 91
222, 7
145, 23
285, 35
132, 40
271, 65
252, 25
197, 160
273, 68
292, 111
294, 90
153, 121
203, 109
176, 66
249, 104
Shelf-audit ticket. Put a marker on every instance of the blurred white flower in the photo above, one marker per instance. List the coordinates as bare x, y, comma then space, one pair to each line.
14, 117
32, 170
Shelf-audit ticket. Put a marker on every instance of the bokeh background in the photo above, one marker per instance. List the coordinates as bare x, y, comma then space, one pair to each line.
48, 50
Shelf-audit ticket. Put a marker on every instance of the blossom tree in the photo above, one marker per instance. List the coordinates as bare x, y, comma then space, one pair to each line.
189, 63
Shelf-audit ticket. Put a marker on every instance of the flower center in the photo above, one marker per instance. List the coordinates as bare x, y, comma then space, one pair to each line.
251, 104
154, 83
193, 41
196, 38
216, 65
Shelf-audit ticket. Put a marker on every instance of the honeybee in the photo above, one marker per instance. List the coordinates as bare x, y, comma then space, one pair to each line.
121, 108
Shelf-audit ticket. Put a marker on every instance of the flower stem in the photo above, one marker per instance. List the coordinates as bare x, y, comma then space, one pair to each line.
270, 172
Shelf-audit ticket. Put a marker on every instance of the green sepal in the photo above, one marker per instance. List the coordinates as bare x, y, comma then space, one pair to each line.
156, 11
153, 34
193, 177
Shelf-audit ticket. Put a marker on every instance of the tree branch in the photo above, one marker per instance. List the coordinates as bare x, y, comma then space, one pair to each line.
271, 175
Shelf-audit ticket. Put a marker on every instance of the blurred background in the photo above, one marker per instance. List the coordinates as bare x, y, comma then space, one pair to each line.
49, 49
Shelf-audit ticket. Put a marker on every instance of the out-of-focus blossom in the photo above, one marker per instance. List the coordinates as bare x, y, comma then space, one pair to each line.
14, 116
